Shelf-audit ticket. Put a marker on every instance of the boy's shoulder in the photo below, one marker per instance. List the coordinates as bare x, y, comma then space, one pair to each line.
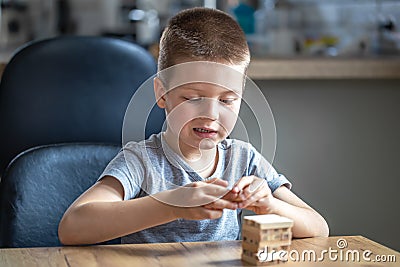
154, 141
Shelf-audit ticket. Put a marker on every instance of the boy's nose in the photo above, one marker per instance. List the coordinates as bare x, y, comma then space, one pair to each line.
210, 109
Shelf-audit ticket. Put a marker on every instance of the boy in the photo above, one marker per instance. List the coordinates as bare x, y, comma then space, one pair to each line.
187, 183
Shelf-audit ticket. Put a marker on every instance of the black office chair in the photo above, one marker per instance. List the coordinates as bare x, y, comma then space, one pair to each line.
70, 89
65, 89
40, 184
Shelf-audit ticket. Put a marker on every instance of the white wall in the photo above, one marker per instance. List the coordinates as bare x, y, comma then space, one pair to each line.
339, 143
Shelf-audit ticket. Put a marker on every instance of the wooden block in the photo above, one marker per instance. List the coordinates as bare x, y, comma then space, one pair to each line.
267, 221
267, 235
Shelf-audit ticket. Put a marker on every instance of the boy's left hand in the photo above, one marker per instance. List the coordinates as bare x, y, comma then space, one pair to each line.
252, 193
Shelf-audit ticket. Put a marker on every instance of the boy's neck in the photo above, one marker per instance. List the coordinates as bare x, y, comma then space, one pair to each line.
203, 161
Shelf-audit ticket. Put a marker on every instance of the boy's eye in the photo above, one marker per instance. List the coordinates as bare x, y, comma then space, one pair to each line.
227, 101
193, 99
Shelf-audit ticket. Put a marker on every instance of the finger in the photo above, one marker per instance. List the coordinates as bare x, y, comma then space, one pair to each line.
215, 190
243, 195
197, 194
257, 185
235, 195
200, 194
254, 198
235, 188
203, 185
244, 181
240, 197
222, 204
248, 191
217, 181
261, 206
231, 196
210, 213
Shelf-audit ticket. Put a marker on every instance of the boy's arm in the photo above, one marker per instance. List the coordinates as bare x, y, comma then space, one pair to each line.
308, 222
253, 193
100, 213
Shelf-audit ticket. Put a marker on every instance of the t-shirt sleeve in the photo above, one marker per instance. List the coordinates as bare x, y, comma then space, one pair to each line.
260, 167
127, 168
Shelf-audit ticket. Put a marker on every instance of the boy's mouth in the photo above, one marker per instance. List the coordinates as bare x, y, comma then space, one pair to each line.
205, 133
201, 130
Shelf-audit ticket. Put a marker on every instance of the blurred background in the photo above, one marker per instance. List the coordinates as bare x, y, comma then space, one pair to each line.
330, 71
273, 27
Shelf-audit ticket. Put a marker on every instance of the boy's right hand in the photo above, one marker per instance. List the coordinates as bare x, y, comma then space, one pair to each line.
191, 201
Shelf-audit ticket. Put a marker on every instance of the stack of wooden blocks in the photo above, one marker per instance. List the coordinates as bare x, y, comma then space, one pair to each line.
265, 237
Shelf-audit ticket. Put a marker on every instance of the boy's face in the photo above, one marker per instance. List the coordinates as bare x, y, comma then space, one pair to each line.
200, 114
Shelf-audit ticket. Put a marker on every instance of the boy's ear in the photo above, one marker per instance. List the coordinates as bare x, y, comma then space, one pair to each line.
159, 92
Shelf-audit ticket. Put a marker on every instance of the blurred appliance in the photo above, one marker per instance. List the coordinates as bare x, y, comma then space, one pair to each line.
14, 27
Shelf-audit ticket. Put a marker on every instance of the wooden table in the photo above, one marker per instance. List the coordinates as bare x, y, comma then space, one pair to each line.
226, 253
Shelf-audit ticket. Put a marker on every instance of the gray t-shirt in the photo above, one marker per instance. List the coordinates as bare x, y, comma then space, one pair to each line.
151, 166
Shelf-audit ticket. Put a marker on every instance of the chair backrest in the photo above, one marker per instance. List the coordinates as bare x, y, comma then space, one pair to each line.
40, 184
71, 89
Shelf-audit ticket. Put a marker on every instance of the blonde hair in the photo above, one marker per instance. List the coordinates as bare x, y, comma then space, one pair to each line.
203, 34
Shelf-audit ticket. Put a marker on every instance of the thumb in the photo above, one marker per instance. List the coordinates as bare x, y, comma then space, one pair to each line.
217, 181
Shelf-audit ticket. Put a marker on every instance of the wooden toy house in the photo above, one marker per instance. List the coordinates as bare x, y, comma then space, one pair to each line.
265, 237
